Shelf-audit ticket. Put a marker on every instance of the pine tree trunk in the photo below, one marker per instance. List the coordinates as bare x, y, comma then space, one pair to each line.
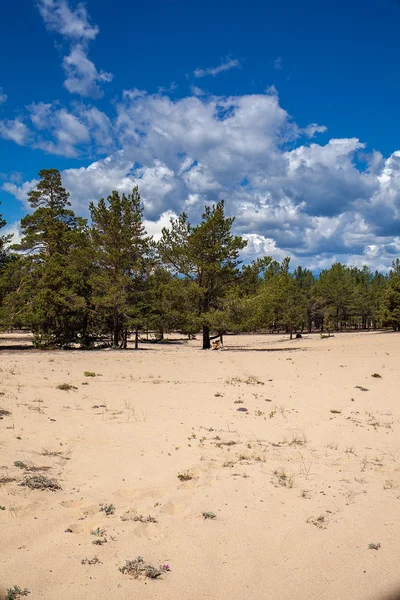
206, 337
124, 343
115, 328
136, 338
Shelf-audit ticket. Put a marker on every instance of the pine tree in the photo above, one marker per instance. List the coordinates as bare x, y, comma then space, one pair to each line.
49, 294
281, 301
4, 240
335, 293
206, 254
123, 260
46, 231
391, 297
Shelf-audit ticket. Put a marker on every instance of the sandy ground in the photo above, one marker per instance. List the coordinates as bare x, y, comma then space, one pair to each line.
301, 483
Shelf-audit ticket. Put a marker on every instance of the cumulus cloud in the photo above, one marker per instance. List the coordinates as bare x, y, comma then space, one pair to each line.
54, 129
59, 17
227, 65
311, 201
15, 130
278, 63
82, 76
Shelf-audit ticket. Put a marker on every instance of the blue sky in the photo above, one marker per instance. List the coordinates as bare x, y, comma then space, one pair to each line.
287, 110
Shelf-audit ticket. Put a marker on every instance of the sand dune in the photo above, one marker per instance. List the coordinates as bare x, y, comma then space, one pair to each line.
300, 483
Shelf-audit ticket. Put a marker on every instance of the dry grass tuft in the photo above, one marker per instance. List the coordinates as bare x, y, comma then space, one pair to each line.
40, 482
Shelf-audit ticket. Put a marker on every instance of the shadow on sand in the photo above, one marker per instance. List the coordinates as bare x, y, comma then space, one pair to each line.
245, 349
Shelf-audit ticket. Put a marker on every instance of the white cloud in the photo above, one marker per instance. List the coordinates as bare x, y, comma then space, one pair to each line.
59, 17
213, 71
15, 130
312, 129
82, 76
278, 63
312, 201
14, 230
20, 191
61, 132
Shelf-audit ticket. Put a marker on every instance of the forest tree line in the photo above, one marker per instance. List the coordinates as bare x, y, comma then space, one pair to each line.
71, 281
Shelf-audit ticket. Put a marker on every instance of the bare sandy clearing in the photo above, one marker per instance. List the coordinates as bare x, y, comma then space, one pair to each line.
301, 483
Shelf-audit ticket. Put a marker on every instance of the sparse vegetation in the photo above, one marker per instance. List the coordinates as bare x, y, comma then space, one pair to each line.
16, 592
98, 532
90, 561
20, 464
335, 412
376, 375
209, 515
283, 478
89, 374
143, 519
250, 380
373, 546
298, 440
185, 476
108, 509
99, 541
4, 413
40, 482
6, 479
361, 388
319, 522
66, 387
139, 568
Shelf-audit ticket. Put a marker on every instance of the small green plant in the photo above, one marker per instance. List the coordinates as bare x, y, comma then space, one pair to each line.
20, 464
139, 568
376, 375
66, 387
16, 592
185, 476
209, 515
373, 546
40, 482
109, 509
89, 374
